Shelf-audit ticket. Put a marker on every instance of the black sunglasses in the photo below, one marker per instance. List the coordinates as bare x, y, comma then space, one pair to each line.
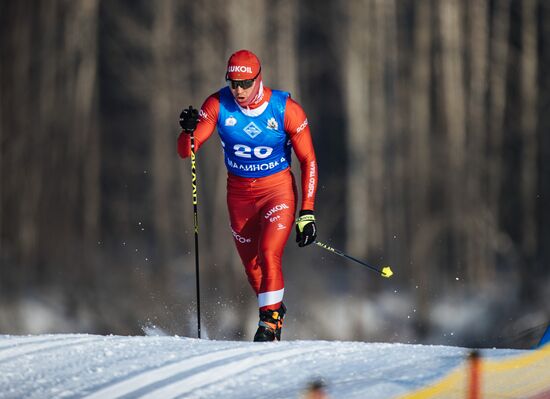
245, 84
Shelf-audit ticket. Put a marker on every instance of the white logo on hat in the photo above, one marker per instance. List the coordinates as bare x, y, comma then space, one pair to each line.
231, 121
252, 130
239, 68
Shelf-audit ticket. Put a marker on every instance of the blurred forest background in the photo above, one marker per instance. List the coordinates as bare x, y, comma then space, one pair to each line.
431, 122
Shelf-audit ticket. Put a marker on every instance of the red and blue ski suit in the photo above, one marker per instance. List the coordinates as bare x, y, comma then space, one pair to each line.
261, 191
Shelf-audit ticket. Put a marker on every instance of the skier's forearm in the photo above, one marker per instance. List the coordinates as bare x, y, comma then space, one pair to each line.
309, 182
303, 148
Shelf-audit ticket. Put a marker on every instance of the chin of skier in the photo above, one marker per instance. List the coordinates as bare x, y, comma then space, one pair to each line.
258, 127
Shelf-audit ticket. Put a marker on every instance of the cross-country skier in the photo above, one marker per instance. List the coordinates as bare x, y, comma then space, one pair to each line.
258, 127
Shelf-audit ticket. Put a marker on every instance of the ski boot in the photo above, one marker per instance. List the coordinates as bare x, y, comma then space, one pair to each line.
270, 325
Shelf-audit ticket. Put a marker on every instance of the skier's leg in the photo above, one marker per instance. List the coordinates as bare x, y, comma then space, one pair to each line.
247, 244
245, 227
277, 219
277, 222
273, 238
275, 232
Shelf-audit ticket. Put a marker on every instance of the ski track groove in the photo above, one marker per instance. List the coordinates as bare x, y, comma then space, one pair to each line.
22, 350
27, 340
205, 378
128, 386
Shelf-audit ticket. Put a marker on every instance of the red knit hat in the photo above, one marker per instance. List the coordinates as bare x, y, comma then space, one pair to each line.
243, 65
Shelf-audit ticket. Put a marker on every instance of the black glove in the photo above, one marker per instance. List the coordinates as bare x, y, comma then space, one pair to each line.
189, 119
306, 231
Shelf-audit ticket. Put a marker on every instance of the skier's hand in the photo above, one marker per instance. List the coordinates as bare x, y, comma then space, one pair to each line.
189, 118
306, 230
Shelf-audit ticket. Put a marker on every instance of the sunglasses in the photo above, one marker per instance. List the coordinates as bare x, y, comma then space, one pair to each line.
245, 84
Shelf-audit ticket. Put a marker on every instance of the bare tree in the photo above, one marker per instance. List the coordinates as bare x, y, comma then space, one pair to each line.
478, 256
162, 36
357, 112
528, 122
498, 63
529, 157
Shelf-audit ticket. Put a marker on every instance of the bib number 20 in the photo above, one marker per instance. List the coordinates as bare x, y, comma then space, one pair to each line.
245, 151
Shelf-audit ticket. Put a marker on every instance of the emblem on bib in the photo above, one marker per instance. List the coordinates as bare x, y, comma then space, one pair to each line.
231, 121
252, 130
272, 124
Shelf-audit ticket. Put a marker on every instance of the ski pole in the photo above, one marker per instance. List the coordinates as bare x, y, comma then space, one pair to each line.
196, 227
191, 131
385, 272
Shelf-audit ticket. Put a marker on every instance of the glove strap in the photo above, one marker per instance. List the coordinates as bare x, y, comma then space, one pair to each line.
303, 220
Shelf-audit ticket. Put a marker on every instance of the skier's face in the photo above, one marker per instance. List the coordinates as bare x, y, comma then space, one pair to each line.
241, 94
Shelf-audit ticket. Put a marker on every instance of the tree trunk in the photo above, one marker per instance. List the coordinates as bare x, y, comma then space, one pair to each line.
497, 102
420, 168
357, 114
162, 134
478, 257
528, 125
453, 108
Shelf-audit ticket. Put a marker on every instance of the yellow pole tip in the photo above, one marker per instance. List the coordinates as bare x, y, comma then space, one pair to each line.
386, 272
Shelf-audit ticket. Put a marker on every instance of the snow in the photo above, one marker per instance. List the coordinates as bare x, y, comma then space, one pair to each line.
95, 366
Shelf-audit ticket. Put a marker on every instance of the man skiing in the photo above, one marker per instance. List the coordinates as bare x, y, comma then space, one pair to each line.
258, 127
